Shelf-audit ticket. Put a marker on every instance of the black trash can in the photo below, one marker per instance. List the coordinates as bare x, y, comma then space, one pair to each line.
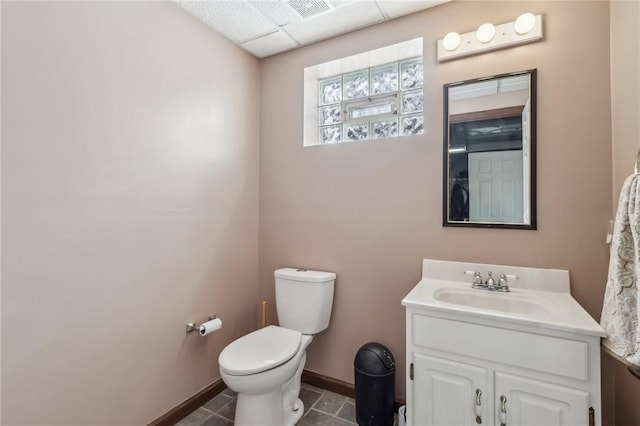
375, 371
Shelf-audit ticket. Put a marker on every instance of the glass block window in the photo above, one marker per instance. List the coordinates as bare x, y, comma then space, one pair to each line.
384, 79
386, 128
412, 74
356, 84
378, 102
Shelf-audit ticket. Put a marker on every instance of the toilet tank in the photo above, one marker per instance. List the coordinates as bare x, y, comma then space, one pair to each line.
304, 299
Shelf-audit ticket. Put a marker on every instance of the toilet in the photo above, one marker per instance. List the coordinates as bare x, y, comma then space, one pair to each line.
265, 366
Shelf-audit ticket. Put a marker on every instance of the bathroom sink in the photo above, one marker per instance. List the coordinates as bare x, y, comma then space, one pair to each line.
494, 301
539, 297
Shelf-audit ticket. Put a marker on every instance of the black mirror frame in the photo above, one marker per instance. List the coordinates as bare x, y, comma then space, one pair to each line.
532, 155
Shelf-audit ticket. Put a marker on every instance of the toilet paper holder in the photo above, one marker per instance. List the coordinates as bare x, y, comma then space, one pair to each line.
192, 326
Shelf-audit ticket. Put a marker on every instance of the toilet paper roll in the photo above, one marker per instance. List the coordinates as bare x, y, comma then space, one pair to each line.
210, 326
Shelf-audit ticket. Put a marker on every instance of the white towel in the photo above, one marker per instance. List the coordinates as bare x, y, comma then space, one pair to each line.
620, 309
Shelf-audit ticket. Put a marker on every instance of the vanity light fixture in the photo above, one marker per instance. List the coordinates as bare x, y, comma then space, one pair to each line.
485, 32
527, 28
451, 41
524, 23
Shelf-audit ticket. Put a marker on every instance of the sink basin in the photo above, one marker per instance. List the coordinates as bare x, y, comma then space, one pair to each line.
494, 301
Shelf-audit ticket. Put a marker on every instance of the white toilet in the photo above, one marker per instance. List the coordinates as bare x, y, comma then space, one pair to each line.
265, 366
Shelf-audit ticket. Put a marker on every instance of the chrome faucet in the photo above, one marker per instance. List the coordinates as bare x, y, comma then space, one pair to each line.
490, 283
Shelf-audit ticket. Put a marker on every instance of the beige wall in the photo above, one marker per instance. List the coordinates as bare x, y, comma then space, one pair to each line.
625, 111
129, 195
625, 89
371, 211
129, 207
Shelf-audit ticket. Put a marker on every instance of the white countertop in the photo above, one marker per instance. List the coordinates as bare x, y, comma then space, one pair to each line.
555, 310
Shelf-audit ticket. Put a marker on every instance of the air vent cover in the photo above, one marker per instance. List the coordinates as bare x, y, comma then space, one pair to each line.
309, 8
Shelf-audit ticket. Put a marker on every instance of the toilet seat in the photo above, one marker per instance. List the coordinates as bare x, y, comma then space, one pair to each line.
260, 351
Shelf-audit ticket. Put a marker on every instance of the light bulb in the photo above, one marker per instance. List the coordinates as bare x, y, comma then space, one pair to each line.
451, 41
485, 32
524, 23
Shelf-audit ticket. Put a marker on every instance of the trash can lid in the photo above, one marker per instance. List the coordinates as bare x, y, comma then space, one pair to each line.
374, 359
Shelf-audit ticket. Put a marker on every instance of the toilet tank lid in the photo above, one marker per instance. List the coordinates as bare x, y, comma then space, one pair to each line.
304, 275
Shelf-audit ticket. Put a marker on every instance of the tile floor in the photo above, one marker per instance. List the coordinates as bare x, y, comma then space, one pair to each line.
322, 408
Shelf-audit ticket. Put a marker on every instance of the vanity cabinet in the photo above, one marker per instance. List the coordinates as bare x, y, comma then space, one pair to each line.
529, 401
446, 392
466, 370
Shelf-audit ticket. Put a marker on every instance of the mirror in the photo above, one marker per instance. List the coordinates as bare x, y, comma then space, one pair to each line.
489, 152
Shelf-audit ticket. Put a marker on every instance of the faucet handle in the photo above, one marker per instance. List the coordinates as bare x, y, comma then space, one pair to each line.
477, 277
502, 282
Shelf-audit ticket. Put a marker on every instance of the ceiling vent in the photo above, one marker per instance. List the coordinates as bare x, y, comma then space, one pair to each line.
309, 8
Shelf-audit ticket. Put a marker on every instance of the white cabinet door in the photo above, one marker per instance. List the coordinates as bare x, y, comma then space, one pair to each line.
444, 392
534, 403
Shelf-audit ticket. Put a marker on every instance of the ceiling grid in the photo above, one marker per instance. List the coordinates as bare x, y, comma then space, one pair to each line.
268, 27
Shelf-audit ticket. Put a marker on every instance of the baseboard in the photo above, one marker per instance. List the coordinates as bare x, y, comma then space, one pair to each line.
190, 405
328, 383
338, 386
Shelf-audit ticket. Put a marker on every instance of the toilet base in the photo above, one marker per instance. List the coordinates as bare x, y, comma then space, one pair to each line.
266, 410
292, 417
259, 404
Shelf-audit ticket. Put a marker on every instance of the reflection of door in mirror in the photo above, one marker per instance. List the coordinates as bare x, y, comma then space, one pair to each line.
490, 152
495, 182
486, 166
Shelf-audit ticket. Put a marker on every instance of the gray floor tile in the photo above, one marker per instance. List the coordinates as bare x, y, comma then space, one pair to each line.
309, 397
348, 412
196, 418
322, 408
311, 387
228, 410
330, 403
216, 420
217, 402
317, 418
229, 392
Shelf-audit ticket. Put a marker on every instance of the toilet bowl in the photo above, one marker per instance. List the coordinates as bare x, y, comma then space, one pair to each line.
265, 367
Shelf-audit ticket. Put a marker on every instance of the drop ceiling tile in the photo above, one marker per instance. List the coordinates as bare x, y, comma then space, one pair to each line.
339, 3
278, 11
270, 44
348, 18
242, 21
397, 8
236, 20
